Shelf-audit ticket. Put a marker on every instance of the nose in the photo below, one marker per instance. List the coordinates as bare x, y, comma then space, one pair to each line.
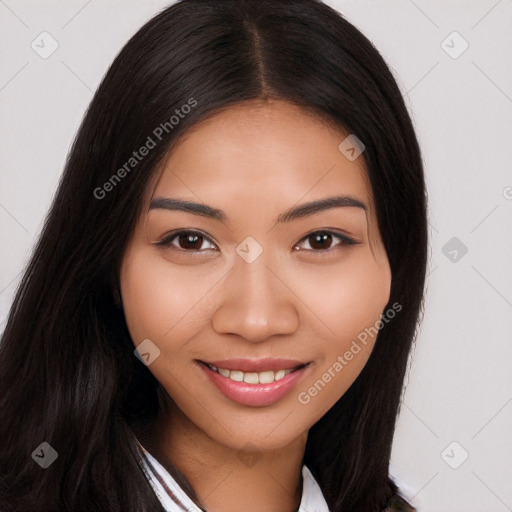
256, 304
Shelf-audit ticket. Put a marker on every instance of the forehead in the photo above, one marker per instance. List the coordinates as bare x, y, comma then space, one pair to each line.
259, 153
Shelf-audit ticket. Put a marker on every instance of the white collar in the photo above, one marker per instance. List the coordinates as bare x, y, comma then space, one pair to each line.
174, 499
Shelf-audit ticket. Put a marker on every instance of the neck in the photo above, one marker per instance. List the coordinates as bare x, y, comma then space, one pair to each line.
226, 479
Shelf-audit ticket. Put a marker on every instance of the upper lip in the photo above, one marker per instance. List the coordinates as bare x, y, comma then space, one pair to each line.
257, 365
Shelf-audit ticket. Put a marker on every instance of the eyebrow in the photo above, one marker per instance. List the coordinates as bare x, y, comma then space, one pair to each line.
296, 212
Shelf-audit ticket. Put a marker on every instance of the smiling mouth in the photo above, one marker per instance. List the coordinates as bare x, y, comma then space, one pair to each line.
262, 377
255, 382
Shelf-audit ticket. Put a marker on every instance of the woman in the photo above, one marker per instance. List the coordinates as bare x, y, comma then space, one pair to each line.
220, 308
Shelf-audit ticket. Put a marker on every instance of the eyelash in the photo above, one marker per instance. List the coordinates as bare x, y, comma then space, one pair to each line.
166, 241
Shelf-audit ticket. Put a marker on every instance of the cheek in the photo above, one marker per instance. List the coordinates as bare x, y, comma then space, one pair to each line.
349, 299
349, 304
153, 301
360, 298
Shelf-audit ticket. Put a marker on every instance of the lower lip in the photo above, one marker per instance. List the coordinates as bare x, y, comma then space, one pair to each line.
254, 395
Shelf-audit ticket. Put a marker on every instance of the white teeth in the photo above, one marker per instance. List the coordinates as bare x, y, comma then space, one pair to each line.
236, 375
251, 378
265, 377
280, 374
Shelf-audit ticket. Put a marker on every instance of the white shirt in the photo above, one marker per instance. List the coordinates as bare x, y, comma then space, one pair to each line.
174, 499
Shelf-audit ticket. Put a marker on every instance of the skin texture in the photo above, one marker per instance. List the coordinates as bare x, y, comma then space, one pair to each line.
202, 301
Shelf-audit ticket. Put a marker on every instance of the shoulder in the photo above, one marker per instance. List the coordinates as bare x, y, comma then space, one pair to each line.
398, 504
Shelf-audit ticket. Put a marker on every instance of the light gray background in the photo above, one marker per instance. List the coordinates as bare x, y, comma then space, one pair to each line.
460, 385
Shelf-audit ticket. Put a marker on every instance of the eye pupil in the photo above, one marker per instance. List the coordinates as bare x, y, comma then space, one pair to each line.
190, 241
320, 240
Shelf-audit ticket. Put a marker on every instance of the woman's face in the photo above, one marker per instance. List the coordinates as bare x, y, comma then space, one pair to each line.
254, 272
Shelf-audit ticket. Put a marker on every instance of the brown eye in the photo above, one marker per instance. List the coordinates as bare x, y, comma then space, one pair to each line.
322, 241
190, 241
